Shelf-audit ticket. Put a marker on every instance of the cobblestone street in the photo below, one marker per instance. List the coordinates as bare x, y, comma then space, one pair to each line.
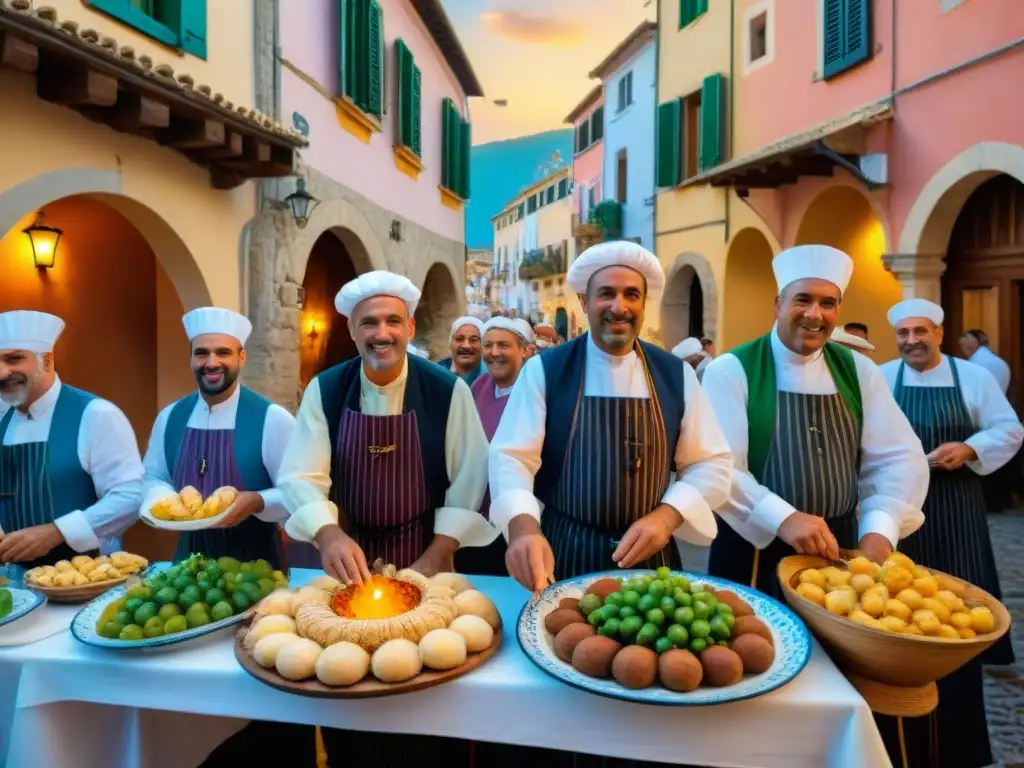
1004, 692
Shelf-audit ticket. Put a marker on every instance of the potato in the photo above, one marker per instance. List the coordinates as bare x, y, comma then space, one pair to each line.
897, 578
961, 620
635, 667
593, 656
813, 576
927, 621
570, 636
982, 620
680, 670
811, 592
898, 609
603, 587
892, 623
837, 578
873, 603
863, 565
751, 624
912, 598
555, 621
936, 607
927, 586
722, 666
569, 602
911, 629
898, 558
966, 633
756, 653
840, 601
951, 601
861, 582
734, 601
948, 632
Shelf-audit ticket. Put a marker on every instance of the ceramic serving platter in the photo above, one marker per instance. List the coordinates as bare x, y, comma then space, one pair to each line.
184, 525
83, 626
25, 601
792, 645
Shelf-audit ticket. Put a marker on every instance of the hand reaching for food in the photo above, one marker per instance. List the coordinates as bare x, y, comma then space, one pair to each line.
188, 505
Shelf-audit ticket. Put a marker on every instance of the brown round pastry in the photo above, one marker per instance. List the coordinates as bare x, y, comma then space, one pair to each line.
557, 619
746, 625
569, 602
593, 655
739, 607
570, 636
603, 587
635, 667
721, 666
680, 670
756, 653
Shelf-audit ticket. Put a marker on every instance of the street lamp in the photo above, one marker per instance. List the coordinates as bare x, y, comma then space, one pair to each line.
44, 240
302, 204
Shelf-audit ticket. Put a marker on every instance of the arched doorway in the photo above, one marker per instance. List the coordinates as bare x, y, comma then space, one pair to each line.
749, 289
984, 279
695, 320
562, 323
842, 217
120, 308
325, 339
439, 307
689, 306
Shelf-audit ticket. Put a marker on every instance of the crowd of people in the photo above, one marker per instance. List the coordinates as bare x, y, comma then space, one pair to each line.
540, 460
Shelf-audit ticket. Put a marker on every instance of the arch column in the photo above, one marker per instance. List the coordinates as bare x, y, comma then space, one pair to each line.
919, 274
675, 304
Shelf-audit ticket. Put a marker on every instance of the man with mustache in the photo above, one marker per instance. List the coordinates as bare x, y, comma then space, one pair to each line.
70, 472
465, 361
224, 434
388, 461
814, 432
505, 343
582, 461
969, 430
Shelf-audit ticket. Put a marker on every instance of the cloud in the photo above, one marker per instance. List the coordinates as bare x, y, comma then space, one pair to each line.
527, 28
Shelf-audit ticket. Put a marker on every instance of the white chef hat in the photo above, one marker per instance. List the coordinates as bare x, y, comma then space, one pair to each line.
35, 332
916, 308
687, 348
216, 320
542, 342
376, 283
508, 324
840, 336
524, 329
822, 262
616, 253
468, 320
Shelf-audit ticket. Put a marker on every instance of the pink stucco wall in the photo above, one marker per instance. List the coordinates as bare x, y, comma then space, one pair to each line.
309, 42
932, 123
587, 165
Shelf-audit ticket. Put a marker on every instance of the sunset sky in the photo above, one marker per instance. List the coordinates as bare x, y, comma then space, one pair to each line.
536, 54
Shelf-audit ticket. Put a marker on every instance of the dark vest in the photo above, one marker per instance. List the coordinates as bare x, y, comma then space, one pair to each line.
563, 380
250, 418
428, 392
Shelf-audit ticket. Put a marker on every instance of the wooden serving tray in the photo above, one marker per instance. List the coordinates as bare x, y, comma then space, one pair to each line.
367, 688
80, 594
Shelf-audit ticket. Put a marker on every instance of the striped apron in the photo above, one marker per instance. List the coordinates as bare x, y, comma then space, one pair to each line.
954, 539
207, 461
813, 465
617, 469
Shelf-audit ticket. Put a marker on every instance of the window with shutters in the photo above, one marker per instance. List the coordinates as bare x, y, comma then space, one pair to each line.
455, 150
691, 133
563, 188
583, 136
520, 212
361, 54
846, 36
408, 130
531, 204
625, 92
597, 125
621, 176
550, 194
757, 36
691, 10
179, 24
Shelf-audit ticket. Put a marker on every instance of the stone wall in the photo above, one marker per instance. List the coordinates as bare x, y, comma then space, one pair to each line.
278, 253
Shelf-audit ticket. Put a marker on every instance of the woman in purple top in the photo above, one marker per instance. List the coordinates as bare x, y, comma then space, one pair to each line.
504, 352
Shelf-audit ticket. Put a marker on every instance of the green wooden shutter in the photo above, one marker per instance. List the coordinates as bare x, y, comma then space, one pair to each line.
669, 126
403, 64
847, 38
416, 145
375, 83
192, 33
453, 141
563, 188
712, 104
344, 70
446, 129
466, 136
701, 8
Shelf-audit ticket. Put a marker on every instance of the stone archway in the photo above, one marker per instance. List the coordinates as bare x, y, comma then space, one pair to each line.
924, 239
749, 288
688, 272
439, 307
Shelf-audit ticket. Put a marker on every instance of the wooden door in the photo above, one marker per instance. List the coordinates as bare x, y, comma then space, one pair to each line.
985, 275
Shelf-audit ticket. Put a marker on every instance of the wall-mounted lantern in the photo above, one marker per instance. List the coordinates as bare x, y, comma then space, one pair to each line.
396, 230
301, 203
45, 241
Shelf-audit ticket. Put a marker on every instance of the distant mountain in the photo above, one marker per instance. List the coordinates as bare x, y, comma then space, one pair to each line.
499, 170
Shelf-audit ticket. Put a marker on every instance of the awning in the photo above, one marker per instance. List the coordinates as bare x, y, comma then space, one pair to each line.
814, 152
110, 84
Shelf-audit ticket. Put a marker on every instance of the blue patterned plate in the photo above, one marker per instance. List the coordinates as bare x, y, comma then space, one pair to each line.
25, 601
83, 626
792, 645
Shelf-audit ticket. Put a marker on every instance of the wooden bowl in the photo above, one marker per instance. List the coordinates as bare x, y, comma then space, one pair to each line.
895, 673
80, 594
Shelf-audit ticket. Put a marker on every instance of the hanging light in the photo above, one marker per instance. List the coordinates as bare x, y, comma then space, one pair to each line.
302, 204
45, 241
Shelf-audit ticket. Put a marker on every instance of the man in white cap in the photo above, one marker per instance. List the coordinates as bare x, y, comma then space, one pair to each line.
851, 340
389, 462
690, 351
223, 434
592, 433
969, 430
505, 341
466, 351
78, 449
814, 432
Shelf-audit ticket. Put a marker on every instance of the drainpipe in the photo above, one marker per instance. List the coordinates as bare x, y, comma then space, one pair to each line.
729, 117
657, 96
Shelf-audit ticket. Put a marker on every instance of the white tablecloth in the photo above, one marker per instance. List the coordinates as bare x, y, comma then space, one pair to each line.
63, 703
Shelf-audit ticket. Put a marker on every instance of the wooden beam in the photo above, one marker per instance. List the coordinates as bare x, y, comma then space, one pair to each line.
224, 179
255, 152
18, 54
189, 133
232, 148
74, 84
133, 113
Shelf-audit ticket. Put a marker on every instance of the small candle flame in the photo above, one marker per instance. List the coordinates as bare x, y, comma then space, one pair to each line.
376, 594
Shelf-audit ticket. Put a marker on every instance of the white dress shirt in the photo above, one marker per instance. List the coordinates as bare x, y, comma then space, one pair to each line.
306, 470
107, 451
894, 472
1000, 432
701, 452
277, 430
995, 365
